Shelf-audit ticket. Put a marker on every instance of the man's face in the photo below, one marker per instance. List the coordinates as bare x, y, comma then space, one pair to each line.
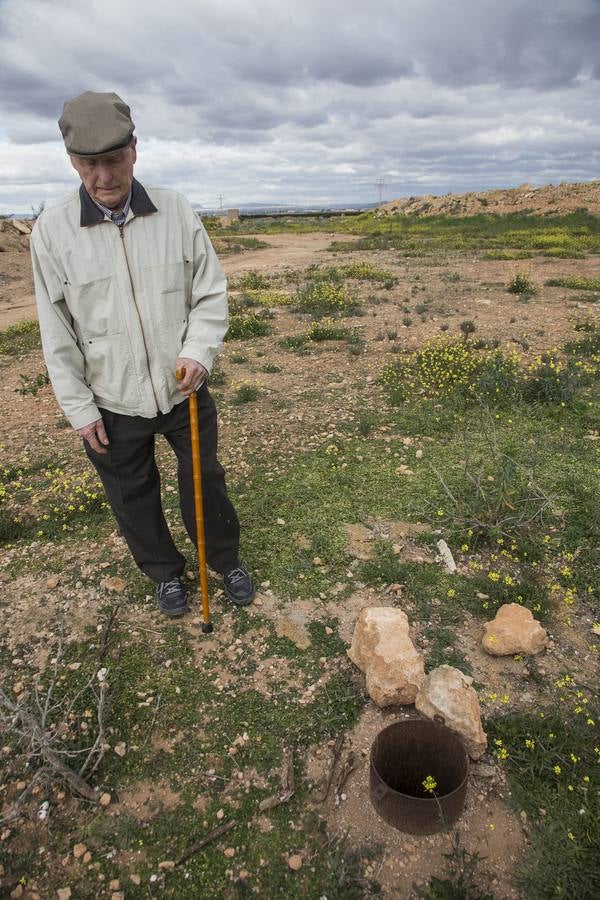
107, 178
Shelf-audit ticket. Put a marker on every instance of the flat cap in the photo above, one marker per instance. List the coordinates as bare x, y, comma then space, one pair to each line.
95, 123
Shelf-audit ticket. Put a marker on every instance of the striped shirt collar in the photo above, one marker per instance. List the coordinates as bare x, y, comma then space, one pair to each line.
91, 214
118, 217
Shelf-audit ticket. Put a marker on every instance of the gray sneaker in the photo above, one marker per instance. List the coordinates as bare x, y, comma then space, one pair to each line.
172, 597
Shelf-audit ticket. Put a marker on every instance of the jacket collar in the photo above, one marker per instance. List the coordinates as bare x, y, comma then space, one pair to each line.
141, 205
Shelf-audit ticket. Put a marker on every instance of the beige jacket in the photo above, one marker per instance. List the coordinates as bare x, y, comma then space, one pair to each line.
118, 306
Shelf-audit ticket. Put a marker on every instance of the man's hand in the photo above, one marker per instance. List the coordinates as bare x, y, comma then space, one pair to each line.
95, 435
195, 375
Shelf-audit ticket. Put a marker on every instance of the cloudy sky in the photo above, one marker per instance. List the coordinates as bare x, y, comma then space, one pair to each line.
311, 101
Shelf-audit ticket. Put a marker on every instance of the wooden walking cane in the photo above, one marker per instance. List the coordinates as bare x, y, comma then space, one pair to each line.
199, 507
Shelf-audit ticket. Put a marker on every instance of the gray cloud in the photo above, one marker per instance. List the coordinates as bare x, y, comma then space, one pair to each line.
265, 99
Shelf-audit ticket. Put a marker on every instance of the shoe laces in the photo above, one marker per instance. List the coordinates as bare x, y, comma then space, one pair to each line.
167, 588
236, 575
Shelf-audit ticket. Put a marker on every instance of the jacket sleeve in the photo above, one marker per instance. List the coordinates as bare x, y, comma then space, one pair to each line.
64, 359
208, 317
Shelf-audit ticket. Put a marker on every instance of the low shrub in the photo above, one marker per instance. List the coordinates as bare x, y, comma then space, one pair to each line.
550, 380
246, 393
323, 297
328, 330
253, 281
521, 283
442, 367
246, 326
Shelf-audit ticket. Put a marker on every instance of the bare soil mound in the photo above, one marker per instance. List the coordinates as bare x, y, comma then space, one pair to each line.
551, 199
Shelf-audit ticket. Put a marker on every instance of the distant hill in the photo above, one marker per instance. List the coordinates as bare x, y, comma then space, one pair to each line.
551, 199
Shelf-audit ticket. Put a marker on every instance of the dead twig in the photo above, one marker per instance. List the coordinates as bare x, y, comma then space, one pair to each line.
287, 784
41, 746
346, 770
207, 839
106, 636
99, 746
44, 734
337, 751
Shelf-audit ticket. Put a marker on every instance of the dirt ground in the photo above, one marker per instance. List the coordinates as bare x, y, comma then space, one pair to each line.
478, 292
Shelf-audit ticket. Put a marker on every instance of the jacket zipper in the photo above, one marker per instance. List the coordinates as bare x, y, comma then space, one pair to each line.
121, 227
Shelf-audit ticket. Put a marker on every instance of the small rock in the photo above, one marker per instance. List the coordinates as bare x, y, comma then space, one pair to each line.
295, 862
220, 814
114, 885
79, 850
514, 630
446, 692
64, 893
167, 865
317, 561
120, 748
113, 583
17, 892
52, 582
382, 648
135, 879
360, 541
297, 634
87, 857
328, 630
483, 771
229, 852
105, 799
446, 555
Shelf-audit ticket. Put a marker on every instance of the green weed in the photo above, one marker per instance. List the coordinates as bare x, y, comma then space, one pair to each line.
521, 283
246, 393
324, 297
18, 340
32, 385
576, 283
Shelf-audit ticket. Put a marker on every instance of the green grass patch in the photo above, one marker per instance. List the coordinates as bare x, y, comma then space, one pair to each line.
553, 764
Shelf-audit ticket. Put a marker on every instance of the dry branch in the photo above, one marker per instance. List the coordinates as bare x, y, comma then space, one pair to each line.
41, 746
207, 839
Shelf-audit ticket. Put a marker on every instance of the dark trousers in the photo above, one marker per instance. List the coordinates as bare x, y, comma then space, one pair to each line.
132, 483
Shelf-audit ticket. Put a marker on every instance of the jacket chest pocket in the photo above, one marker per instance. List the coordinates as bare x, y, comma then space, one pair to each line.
92, 305
166, 289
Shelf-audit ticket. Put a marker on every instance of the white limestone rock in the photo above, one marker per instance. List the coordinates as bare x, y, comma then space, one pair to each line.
446, 695
382, 649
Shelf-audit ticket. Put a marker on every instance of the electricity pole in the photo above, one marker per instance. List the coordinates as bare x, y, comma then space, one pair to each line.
380, 184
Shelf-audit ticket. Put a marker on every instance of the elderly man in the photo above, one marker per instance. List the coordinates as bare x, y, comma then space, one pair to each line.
129, 289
